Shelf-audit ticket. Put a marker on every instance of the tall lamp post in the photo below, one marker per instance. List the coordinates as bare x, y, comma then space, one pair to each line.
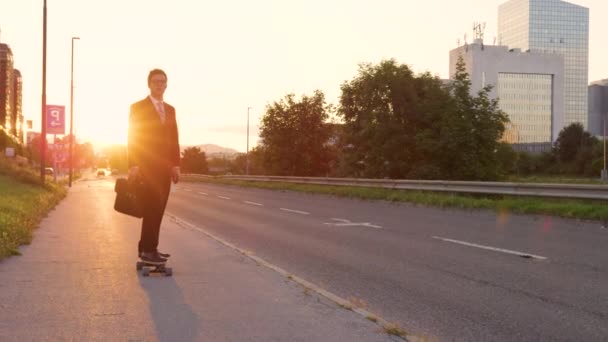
247, 158
43, 121
604, 171
72, 113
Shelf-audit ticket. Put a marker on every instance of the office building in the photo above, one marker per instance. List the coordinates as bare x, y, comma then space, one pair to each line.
16, 118
553, 27
6, 86
598, 107
528, 85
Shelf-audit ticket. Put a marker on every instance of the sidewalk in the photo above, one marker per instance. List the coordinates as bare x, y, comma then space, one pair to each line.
77, 281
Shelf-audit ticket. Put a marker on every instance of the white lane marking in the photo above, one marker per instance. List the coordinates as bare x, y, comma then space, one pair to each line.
495, 249
224, 198
303, 282
295, 211
254, 203
348, 223
203, 193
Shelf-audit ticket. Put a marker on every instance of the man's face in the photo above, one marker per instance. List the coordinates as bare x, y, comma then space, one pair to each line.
157, 85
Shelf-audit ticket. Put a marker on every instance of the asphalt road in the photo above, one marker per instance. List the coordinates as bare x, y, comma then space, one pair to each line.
444, 274
77, 281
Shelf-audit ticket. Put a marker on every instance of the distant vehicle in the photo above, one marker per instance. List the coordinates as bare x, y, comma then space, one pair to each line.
49, 171
101, 173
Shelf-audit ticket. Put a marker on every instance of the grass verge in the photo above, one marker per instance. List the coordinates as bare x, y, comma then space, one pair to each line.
555, 180
23, 203
568, 208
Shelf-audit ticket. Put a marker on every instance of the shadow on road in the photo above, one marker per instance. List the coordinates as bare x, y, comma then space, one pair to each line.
174, 320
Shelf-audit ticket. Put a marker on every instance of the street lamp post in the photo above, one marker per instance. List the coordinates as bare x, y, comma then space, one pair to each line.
604, 171
247, 159
43, 121
72, 113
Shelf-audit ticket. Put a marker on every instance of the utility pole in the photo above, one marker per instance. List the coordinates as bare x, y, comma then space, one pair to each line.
43, 121
247, 159
72, 114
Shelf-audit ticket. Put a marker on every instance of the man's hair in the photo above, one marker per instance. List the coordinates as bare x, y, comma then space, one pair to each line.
155, 72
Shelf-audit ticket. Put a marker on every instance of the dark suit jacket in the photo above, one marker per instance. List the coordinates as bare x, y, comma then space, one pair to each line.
153, 146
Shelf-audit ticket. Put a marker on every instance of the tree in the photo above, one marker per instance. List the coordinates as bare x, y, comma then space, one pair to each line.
570, 141
399, 125
194, 161
388, 117
295, 135
471, 131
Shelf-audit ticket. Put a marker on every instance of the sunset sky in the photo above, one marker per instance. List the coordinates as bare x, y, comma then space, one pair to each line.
224, 56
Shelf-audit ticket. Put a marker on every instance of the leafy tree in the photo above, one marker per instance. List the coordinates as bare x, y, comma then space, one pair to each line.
194, 161
507, 158
471, 131
570, 141
388, 118
399, 125
294, 136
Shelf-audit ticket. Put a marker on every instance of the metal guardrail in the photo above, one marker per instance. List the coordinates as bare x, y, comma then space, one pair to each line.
579, 191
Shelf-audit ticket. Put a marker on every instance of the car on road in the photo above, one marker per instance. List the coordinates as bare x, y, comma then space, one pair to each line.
49, 171
101, 173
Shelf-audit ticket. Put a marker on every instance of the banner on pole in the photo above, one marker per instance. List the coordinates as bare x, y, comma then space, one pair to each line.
55, 119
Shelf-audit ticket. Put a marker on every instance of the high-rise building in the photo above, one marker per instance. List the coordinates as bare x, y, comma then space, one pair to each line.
6, 86
598, 107
553, 27
17, 106
528, 86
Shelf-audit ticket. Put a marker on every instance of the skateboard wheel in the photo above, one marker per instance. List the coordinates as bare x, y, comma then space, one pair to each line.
139, 265
168, 272
146, 272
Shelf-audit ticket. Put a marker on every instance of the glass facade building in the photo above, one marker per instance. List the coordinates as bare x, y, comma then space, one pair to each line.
6, 86
553, 27
527, 99
529, 87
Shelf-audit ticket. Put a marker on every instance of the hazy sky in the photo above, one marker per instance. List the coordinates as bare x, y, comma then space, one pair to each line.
224, 56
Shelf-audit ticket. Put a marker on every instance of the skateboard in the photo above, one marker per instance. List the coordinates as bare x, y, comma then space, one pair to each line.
147, 268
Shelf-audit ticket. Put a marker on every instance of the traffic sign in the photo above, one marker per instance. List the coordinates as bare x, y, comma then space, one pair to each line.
55, 119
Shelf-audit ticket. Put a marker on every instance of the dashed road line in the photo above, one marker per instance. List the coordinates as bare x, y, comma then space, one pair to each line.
224, 198
490, 248
348, 223
203, 193
254, 203
295, 211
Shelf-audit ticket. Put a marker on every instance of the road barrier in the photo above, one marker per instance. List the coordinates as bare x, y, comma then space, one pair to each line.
579, 191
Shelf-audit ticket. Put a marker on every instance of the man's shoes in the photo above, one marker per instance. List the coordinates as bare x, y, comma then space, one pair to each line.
152, 258
162, 255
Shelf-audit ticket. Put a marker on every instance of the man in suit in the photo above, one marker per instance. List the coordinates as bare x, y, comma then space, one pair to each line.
154, 157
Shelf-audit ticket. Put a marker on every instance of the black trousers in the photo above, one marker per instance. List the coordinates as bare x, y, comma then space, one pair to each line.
155, 193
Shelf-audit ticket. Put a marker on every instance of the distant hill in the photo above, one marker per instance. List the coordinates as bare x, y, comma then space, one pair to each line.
212, 150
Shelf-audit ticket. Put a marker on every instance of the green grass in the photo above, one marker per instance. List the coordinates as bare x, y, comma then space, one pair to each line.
23, 204
568, 208
556, 180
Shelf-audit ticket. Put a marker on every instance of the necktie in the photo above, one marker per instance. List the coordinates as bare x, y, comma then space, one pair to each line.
161, 111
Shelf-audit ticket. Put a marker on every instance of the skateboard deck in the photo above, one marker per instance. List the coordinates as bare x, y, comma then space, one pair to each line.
148, 268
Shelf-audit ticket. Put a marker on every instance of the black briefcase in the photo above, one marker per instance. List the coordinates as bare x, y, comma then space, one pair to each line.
127, 199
